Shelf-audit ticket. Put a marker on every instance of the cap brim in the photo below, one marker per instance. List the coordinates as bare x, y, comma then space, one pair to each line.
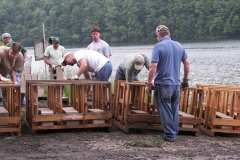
138, 67
64, 57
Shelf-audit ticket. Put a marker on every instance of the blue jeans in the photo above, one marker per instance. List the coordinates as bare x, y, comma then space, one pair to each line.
105, 72
167, 99
120, 75
18, 80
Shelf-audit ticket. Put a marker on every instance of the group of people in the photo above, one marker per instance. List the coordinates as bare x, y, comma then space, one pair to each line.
94, 63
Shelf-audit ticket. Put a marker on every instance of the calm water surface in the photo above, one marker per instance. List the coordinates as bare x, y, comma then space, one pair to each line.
215, 62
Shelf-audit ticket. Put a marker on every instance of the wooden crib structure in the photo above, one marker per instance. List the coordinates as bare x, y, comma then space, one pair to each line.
10, 117
133, 108
220, 109
80, 113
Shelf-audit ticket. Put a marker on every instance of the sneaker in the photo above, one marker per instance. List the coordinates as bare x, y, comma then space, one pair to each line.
165, 139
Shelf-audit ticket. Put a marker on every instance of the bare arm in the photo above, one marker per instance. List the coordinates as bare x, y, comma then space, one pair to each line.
83, 67
25, 56
151, 73
186, 65
46, 60
87, 75
14, 78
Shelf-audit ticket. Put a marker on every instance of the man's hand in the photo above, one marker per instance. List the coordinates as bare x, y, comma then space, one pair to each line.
74, 77
184, 84
5, 79
62, 68
148, 88
53, 67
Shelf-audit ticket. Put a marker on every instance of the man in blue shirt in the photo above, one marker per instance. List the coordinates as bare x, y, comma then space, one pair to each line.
165, 67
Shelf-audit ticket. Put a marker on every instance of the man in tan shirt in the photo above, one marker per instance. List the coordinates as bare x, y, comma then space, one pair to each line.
10, 59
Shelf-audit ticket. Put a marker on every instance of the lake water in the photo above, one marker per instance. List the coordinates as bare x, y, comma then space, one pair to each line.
214, 62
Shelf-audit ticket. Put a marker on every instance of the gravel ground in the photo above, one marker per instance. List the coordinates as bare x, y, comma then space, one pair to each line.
99, 144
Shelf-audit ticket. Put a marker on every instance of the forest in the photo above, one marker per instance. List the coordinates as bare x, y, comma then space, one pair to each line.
119, 20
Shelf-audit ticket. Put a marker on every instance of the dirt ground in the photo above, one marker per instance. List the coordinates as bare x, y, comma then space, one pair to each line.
98, 144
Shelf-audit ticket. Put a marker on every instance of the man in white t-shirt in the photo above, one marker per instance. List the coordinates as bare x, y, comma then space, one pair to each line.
89, 61
53, 56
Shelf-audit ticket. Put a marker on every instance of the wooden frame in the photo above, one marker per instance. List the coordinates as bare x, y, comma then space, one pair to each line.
221, 109
12, 121
133, 108
79, 115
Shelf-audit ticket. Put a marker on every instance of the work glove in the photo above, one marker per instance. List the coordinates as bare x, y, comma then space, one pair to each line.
62, 68
53, 67
5, 79
74, 77
148, 89
184, 84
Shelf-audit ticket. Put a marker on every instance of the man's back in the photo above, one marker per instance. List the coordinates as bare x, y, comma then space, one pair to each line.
95, 61
168, 54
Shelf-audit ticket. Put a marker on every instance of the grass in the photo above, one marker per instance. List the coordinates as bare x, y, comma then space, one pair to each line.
158, 142
8, 140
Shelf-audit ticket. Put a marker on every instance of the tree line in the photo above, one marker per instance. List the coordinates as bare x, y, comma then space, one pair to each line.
119, 20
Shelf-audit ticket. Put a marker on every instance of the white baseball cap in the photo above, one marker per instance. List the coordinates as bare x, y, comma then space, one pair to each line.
6, 35
63, 63
139, 62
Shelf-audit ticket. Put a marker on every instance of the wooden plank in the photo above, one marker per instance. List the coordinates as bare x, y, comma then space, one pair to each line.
59, 73
15, 120
144, 118
189, 120
183, 114
35, 128
3, 112
70, 110
66, 117
138, 112
97, 121
96, 110
226, 122
223, 116
47, 112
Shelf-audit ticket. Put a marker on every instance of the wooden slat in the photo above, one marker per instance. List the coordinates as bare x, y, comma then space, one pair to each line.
223, 116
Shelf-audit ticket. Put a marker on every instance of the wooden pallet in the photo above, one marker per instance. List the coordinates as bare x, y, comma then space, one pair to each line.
10, 117
134, 108
222, 109
74, 115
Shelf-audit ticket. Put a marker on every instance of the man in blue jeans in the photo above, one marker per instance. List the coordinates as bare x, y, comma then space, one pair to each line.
89, 61
165, 67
